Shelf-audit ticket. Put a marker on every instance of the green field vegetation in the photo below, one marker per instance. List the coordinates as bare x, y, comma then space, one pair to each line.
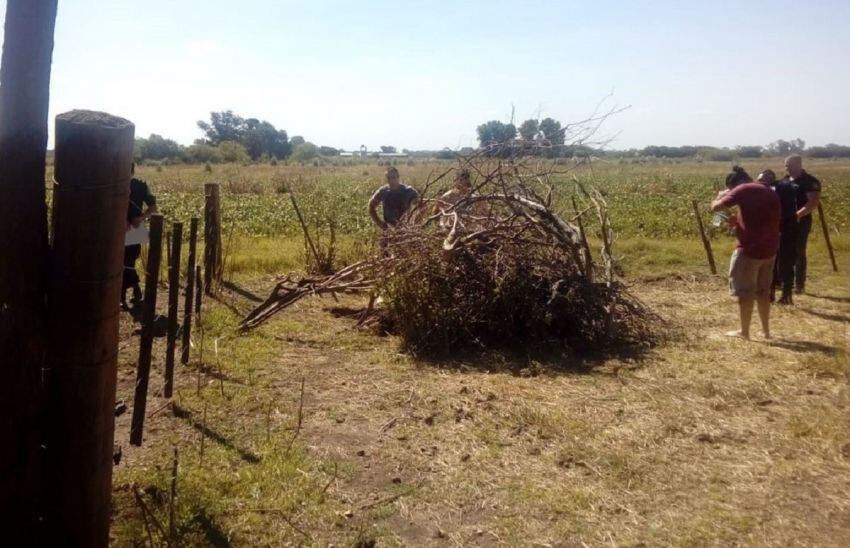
649, 201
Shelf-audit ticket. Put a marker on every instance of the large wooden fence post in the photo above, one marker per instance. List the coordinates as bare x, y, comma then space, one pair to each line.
143, 370
173, 296
24, 92
94, 155
190, 290
212, 237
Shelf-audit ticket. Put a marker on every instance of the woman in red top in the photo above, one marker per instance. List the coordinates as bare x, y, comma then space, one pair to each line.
757, 230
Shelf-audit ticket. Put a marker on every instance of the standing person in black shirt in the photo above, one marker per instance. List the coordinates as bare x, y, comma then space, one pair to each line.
140, 195
808, 198
395, 197
783, 273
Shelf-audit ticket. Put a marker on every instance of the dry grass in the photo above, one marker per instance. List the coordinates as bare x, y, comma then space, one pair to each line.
703, 441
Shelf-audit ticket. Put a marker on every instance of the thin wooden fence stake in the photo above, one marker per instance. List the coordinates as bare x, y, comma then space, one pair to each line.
173, 297
146, 339
203, 434
300, 418
167, 255
199, 292
826, 237
190, 292
269, 420
212, 237
705, 241
172, 528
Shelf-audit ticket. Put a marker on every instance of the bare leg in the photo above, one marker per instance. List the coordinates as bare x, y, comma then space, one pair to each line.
746, 305
764, 314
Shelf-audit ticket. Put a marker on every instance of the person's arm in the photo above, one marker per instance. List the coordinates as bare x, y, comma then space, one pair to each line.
373, 210
811, 205
414, 199
724, 200
144, 216
152, 209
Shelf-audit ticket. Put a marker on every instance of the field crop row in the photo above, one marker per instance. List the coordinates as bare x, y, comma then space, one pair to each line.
645, 200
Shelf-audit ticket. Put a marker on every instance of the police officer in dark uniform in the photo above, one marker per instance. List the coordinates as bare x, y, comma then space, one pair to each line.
808, 198
783, 273
140, 196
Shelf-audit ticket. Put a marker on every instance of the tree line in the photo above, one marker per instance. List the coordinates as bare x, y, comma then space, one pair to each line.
551, 133
229, 137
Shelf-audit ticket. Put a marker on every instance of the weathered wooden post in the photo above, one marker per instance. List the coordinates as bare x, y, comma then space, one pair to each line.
173, 295
146, 339
167, 241
190, 291
706, 243
199, 291
825, 229
94, 154
212, 237
24, 93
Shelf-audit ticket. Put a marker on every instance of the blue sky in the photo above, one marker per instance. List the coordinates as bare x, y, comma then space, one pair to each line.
423, 75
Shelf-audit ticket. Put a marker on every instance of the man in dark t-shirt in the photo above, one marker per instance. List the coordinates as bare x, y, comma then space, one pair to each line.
757, 230
783, 272
395, 198
140, 196
808, 199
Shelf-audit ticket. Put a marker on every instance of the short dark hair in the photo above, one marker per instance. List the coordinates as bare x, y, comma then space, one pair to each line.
737, 177
767, 174
392, 171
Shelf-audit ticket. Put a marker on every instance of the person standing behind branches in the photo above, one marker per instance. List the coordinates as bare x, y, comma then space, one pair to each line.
448, 200
757, 230
395, 198
808, 198
462, 189
140, 195
783, 272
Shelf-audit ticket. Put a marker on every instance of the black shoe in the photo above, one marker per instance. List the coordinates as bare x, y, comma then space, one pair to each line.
786, 299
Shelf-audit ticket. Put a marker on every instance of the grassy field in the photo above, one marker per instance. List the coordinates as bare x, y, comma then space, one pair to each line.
701, 441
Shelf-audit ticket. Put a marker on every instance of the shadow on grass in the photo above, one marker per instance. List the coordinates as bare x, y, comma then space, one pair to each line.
803, 346
241, 291
830, 298
213, 533
160, 322
825, 315
229, 305
216, 374
187, 415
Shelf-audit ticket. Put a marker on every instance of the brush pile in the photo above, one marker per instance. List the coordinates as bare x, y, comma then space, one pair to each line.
494, 266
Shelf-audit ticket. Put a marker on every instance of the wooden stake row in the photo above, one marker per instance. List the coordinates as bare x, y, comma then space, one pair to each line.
193, 273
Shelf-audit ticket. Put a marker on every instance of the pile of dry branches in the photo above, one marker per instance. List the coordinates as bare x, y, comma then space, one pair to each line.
491, 266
